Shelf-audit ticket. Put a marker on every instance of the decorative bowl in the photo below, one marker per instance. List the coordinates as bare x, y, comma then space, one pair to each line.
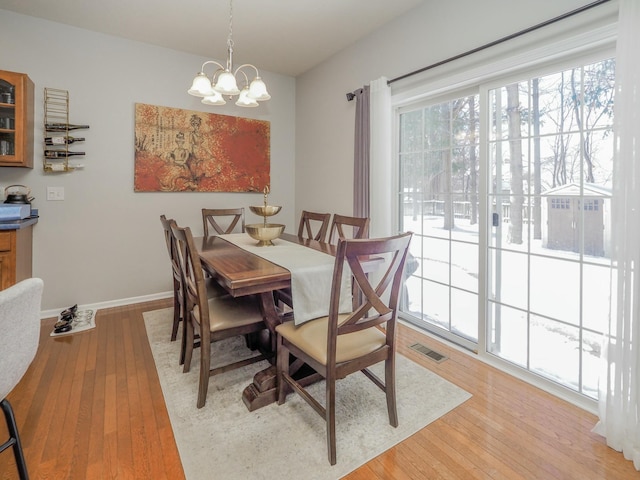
264, 210
264, 232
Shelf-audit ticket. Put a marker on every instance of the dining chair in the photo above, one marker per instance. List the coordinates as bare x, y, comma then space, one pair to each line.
213, 288
214, 319
222, 220
178, 313
312, 220
343, 343
359, 227
20, 326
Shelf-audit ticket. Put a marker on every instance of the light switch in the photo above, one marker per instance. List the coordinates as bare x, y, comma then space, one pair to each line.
55, 193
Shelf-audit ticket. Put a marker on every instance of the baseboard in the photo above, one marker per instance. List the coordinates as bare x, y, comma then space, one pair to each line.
112, 303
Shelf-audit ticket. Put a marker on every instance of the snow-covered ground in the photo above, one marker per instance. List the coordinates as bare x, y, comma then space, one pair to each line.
549, 308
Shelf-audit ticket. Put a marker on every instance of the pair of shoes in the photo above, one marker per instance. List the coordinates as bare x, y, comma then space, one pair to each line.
65, 327
69, 311
67, 316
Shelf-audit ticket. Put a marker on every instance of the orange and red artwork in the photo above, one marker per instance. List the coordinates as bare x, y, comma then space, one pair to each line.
188, 151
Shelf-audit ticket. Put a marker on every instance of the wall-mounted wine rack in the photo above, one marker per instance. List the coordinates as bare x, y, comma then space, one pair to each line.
56, 132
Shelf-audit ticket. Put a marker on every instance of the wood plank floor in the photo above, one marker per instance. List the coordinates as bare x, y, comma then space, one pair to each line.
90, 407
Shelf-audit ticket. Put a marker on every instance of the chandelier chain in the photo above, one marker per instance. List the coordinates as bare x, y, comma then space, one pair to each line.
223, 81
230, 39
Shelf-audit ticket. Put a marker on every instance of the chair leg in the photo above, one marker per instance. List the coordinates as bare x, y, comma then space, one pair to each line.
183, 343
282, 366
205, 370
14, 439
390, 390
177, 312
188, 345
330, 418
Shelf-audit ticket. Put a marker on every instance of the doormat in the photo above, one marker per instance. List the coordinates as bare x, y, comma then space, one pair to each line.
83, 320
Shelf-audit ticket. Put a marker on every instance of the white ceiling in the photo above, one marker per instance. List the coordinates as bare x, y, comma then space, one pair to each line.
282, 36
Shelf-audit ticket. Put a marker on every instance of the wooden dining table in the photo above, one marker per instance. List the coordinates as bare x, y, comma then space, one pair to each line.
242, 273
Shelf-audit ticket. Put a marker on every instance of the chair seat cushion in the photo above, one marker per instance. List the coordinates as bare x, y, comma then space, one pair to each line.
228, 312
312, 338
214, 289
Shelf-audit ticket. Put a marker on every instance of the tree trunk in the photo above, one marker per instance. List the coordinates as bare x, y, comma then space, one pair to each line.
473, 162
537, 174
515, 151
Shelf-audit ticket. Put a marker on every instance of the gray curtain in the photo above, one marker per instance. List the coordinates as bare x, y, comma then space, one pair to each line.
361, 205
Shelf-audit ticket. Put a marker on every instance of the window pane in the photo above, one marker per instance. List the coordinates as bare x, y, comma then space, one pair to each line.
555, 351
509, 334
596, 297
591, 363
555, 289
436, 259
464, 266
464, 314
510, 283
436, 304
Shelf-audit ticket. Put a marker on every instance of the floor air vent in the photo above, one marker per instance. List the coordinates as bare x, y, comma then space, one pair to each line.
427, 352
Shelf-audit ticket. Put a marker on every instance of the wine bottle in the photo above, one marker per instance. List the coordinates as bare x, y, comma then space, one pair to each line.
60, 154
62, 127
62, 140
55, 167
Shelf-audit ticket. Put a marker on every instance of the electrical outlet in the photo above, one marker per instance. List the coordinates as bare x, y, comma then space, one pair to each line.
55, 193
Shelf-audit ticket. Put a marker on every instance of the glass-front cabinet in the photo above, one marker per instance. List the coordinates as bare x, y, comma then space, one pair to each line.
16, 120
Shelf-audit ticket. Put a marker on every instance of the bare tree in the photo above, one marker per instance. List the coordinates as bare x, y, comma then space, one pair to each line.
537, 164
515, 152
473, 162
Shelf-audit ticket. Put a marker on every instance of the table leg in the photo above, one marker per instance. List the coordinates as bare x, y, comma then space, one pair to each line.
262, 391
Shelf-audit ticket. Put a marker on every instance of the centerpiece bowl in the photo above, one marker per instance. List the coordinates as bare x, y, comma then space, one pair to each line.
264, 232
264, 210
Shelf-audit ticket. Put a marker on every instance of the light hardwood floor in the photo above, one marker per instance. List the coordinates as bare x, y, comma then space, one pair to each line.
90, 407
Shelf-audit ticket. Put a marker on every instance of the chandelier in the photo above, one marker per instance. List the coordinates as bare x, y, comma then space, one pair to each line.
224, 80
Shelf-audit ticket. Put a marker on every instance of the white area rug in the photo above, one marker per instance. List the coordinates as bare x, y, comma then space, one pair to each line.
224, 441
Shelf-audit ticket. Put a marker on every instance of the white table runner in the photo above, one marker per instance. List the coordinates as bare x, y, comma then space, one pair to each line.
311, 275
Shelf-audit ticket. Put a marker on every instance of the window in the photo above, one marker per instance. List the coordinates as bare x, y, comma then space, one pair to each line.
508, 193
439, 177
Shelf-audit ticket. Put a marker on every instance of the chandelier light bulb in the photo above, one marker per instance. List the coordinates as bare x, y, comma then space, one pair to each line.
214, 99
258, 90
244, 100
226, 84
201, 86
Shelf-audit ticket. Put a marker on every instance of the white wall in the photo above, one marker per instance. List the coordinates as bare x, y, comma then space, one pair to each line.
104, 243
430, 33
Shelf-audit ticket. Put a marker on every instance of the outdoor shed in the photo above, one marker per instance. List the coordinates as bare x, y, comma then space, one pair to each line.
566, 208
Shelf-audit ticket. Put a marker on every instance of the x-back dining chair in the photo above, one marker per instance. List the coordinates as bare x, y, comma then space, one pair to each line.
179, 304
359, 227
310, 221
178, 313
222, 220
20, 325
343, 343
214, 319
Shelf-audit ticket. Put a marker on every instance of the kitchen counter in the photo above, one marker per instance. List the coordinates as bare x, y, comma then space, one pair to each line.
18, 224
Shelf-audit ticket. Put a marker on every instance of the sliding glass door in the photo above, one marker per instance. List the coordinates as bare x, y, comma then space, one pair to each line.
550, 151
535, 278
438, 201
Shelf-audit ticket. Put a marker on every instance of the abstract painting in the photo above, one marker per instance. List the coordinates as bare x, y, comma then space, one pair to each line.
188, 151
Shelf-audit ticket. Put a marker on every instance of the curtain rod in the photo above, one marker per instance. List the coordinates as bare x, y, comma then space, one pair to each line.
501, 40
351, 95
